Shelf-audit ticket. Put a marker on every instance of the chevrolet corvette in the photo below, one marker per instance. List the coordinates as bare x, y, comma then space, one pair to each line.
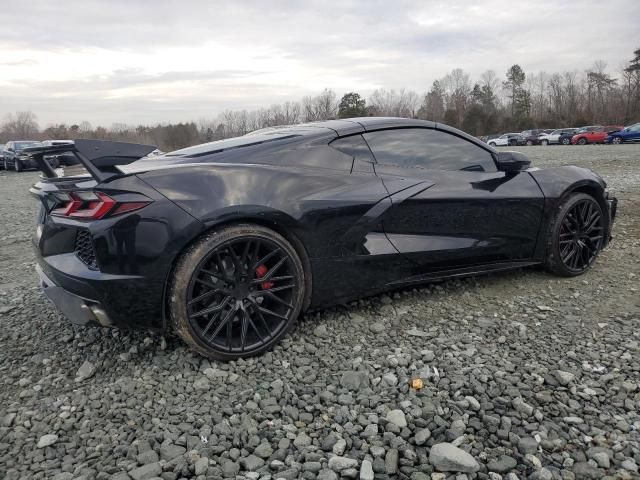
228, 242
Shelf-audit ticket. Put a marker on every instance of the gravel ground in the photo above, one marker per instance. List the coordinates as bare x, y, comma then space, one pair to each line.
524, 376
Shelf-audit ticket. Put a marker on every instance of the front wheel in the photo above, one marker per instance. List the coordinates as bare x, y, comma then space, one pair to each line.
236, 292
544, 143
17, 165
566, 141
529, 143
492, 144
576, 236
616, 140
582, 141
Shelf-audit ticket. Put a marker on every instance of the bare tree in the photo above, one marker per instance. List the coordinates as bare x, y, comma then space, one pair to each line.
21, 125
320, 107
392, 103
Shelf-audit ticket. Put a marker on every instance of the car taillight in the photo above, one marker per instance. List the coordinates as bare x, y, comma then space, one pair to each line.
89, 205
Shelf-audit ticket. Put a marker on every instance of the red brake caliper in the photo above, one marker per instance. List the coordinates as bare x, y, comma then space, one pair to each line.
261, 271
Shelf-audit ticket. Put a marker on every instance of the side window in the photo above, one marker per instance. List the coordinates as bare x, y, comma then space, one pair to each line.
635, 128
354, 146
428, 148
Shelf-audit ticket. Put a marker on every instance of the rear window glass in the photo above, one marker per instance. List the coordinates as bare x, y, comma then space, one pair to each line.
230, 143
23, 145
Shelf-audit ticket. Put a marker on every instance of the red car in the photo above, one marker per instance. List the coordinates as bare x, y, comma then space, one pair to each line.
593, 134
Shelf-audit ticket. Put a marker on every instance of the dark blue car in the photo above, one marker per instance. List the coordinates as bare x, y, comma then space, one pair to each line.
629, 134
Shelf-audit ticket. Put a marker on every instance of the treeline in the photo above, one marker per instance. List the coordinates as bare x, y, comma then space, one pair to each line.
489, 104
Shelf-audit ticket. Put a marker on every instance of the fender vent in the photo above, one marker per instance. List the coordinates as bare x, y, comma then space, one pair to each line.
84, 249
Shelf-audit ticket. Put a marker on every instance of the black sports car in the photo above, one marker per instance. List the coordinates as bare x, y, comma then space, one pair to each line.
226, 243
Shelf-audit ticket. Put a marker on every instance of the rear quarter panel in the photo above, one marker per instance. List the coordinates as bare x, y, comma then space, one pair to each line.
333, 215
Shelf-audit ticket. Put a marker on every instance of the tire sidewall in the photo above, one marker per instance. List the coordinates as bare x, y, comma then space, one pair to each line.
17, 165
554, 262
192, 258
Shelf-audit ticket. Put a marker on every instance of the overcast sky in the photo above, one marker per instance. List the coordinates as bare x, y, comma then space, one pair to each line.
139, 61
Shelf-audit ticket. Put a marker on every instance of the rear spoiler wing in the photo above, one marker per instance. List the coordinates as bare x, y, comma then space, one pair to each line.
99, 157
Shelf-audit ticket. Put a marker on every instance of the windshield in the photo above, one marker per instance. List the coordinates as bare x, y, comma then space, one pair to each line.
221, 145
23, 145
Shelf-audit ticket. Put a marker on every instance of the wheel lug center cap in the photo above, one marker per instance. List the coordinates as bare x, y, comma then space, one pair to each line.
241, 291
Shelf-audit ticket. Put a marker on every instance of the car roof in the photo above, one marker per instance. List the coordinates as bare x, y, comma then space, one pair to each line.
351, 126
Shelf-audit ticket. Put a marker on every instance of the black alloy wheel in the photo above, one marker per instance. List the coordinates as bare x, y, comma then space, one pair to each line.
242, 295
566, 141
577, 236
582, 141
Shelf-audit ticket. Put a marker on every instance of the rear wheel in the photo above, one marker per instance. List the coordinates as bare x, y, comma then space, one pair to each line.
17, 165
236, 292
566, 141
616, 140
576, 236
492, 144
582, 141
529, 143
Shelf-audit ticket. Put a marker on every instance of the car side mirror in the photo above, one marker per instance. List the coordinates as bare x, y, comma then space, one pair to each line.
11, 150
512, 161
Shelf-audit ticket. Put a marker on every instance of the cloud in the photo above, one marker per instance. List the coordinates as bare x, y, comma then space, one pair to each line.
142, 61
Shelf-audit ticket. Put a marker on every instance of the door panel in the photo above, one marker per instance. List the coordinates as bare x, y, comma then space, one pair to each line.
464, 212
466, 218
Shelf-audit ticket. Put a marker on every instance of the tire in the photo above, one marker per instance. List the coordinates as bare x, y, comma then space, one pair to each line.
6, 164
585, 243
492, 144
227, 266
582, 141
529, 143
544, 143
566, 141
617, 140
17, 164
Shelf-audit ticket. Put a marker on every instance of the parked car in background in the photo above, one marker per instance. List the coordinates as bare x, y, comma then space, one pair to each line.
507, 139
63, 159
565, 138
14, 157
553, 137
1, 156
628, 134
530, 137
594, 134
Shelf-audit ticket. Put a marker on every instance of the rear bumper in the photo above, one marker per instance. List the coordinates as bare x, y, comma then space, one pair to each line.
78, 310
91, 297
